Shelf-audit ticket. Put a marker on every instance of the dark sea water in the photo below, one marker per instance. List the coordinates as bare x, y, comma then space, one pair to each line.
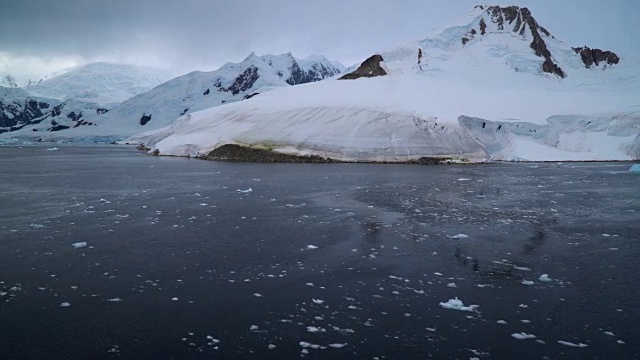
180, 265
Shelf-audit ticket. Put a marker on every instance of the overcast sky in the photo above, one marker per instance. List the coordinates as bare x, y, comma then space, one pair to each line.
41, 36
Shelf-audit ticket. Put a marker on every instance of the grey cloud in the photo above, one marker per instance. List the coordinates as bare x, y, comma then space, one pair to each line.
191, 34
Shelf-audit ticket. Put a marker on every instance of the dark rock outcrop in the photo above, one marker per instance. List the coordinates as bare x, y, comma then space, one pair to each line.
239, 153
369, 68
244, 81
145, 119
594, 57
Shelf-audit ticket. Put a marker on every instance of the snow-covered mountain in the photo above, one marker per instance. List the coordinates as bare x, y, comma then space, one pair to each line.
494, 84
76, 97
201, 90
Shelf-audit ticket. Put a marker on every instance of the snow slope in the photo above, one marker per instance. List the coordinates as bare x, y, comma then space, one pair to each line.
492, 85
102, 83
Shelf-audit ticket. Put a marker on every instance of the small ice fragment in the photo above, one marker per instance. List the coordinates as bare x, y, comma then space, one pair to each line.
53, 149
459, 236
452, 285
620, 342
257, 295
527, 282
114, 300
464, 179
580, 345
523, 336
609, 333
606, 235
79, 245
310, 284
501, 322
174, 299
457, 304
271, 346
36, 226
311, 247
318, 301
253, 327
313, 329
544, 277
337, 346
245, 191
65, 304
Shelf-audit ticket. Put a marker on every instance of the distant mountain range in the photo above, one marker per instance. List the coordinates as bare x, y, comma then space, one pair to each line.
95, 94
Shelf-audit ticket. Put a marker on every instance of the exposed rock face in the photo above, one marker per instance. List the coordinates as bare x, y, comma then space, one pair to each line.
317, 72
244, 81
594, 57
369, 68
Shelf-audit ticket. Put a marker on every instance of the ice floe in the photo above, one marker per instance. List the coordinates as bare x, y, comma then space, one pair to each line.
545, 278
457, 304
79, 245
579, 345
523, 336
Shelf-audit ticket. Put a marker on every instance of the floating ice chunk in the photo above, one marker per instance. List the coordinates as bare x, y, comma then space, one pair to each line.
527, 282
174, 299
311, 247
464, 179
459, 236
37, 226
522, 268
580, 345
523, 336
65, 304
257, 295
337, 346
620, 342
245, 191
545, 278
253, 327
53, 149
609, 333
103, 200
271, 346
318, 301
305, 344
635, 168
452, 285
456, 304
501, 322
313, 329
114, 300
79, 245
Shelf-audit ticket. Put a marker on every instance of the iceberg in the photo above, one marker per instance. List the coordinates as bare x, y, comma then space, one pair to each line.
635, 168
